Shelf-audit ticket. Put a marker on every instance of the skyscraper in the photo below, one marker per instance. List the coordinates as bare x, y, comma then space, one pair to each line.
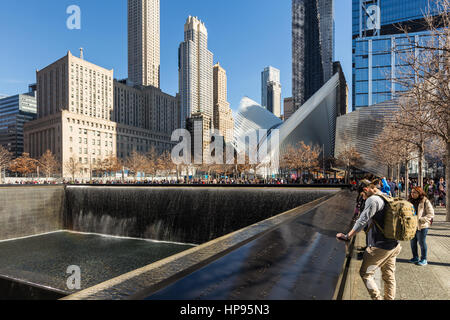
376, 35
271, 90
288, 108
312, 47
144, 42
195, 72
15, 111
223, 116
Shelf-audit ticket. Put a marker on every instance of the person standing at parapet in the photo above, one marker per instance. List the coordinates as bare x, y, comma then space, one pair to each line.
442, 189
381, 252
425, 215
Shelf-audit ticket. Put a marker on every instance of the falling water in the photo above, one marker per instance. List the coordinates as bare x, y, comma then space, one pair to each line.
178, 214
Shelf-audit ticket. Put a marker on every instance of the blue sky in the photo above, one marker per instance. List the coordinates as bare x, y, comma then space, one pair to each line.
244, 35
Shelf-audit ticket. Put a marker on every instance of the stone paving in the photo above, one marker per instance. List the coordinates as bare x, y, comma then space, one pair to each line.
413, 282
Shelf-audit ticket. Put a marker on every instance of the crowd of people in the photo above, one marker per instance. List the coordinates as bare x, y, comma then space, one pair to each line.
381, 251
435, 190
183, 181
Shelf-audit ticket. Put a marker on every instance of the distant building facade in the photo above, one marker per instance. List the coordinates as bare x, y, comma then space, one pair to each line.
314, 123
271, 90
199, 128
288, 108
361, 129
343, 89
15, 111
223, 116
75, 110
144, 42
148, 109
376, 36
79, 119
312, 47
195, 72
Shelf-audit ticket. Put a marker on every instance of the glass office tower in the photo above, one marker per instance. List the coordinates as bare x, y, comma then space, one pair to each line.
312, 47
375, 37
15, 111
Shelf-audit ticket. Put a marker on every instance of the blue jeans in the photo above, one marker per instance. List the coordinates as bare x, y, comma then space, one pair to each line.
421, 237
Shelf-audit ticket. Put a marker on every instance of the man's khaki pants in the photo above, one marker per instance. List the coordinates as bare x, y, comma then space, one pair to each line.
373, 259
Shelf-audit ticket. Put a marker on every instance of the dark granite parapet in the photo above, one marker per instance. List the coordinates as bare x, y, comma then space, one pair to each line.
291, 256
11, 289
299, 260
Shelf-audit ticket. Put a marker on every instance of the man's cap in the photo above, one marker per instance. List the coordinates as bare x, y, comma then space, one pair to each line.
363, 184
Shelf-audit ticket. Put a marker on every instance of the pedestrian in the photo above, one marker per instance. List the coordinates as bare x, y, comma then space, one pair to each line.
392, 186
425, 216
442, 191
360, 203
431, 191
381, 252
385, 188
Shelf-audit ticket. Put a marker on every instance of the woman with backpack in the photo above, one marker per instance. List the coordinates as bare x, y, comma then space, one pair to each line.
425, 216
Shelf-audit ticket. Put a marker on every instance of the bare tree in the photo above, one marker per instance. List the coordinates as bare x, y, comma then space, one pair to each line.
243, 167
287, 159
23, 165
309, 156
394, 149
165, 164
349, 158
403, 121
136, 163
49, 164
425, 77
5, 160
300, 158
151, 163
73, 166
110, 164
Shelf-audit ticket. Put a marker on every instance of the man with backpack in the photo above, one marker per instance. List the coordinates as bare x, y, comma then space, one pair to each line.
381, 252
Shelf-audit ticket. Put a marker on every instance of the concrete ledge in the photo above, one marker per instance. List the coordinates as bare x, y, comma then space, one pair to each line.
150, 279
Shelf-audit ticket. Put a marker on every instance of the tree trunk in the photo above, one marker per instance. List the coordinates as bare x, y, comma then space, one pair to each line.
407, 179
420, 174
447, 178
347, 175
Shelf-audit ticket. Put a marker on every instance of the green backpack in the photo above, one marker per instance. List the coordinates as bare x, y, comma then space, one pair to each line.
400, 219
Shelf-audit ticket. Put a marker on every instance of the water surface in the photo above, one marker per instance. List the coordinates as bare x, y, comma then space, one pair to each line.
44, 259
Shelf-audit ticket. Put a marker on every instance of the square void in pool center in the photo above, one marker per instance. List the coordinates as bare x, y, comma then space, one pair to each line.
44, 259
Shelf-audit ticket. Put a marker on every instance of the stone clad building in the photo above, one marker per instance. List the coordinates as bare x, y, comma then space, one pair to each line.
84, 114
223, 116
144, 42
195, 69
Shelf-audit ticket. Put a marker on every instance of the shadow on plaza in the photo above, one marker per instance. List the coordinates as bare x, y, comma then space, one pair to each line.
438, 235
429, 263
